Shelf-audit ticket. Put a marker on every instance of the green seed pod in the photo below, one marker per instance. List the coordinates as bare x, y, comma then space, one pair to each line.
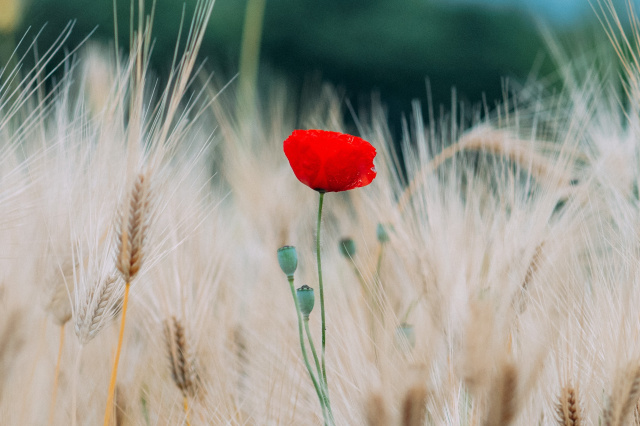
406, 336
306, 300
347, 248
288, 260
382, 234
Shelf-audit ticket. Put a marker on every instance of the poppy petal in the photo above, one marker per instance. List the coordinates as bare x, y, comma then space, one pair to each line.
330, 161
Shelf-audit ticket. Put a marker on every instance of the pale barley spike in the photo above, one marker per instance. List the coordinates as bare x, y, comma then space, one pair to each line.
133, 230
624, 398
90, 322
106, 295
568, 407
633, 395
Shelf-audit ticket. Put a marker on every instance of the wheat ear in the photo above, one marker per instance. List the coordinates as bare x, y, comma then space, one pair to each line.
87, 326
133, 230
182, 369
568, 407
497, 142
503, 397
624, 397
414, 407
375, 411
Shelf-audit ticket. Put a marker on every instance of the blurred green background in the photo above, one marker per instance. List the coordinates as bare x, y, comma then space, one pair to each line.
387, 46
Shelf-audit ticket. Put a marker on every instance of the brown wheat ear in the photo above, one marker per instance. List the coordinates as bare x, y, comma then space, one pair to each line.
182, 368
503, 397
376, 411
133, 230
133, 225
568, 407
414, 407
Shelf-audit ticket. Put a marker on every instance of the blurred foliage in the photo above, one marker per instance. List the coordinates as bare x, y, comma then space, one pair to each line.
390, 46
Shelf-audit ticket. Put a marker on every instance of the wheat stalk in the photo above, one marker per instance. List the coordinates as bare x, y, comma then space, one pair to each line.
131, 238
60, 308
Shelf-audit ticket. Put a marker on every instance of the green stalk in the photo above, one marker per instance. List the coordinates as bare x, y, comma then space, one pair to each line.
379, 264
304, 354
321, 288
327, 403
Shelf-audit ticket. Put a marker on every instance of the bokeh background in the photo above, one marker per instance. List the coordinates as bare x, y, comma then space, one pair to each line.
390, 47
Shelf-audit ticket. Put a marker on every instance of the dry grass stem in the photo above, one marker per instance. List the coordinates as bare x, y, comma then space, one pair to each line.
56, 374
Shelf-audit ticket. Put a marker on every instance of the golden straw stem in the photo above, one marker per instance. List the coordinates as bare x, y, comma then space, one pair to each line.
74, 390
55, 377
114, 372
185, 402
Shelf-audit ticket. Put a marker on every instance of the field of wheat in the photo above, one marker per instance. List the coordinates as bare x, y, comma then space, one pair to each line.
489, 275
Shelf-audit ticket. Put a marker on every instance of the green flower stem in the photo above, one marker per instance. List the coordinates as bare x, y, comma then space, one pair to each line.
312, 346
379, 264
327, 403
412, 305
304, 354
321, 288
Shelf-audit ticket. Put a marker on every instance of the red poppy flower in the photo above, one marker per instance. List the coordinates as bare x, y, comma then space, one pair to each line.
330, 161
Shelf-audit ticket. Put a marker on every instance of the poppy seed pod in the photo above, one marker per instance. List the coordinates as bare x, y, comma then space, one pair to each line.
406, 335
382, 234
288, 260
306, 300
347, 248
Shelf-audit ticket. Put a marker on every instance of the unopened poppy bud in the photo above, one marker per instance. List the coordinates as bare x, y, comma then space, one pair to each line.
382, 234
306, 300
406, 336
288, 260
347, 248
